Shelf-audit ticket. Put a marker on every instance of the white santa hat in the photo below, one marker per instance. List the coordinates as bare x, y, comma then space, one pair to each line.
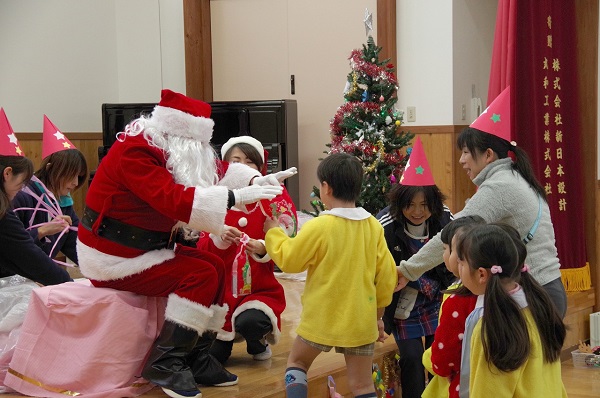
179, 115
243, 139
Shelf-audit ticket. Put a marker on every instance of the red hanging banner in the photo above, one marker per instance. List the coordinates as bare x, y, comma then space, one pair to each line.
535, 52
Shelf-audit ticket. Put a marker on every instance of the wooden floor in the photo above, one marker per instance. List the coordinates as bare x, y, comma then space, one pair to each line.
264, 379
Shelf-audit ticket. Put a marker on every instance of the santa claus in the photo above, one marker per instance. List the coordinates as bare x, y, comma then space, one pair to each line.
162, 172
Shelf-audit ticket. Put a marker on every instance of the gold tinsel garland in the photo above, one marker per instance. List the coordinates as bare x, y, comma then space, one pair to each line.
380, 155
391, 374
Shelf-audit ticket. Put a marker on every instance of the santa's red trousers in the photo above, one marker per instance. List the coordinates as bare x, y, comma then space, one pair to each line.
193, 274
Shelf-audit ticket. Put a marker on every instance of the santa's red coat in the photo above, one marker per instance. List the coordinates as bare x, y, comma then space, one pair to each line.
133, 186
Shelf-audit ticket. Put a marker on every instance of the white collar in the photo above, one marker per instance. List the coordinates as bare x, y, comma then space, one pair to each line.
351, 213
517, 294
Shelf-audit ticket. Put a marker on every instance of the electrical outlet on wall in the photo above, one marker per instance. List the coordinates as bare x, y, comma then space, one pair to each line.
411, 113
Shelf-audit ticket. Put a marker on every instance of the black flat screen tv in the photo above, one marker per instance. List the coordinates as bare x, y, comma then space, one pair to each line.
116, 116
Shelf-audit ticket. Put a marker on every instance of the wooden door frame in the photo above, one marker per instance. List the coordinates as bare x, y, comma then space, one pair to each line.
198, 46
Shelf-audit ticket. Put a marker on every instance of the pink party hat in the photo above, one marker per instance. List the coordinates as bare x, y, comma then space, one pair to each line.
495, 119
417, 172
53, 140
9, 146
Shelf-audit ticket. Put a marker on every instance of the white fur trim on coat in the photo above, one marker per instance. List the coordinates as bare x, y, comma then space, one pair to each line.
105, 267
272, 337
175, 122
187, 313
209, 209
218, 242
218, 319
238, 175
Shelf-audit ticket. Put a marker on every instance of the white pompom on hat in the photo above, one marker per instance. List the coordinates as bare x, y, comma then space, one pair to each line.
243, 139
177, 114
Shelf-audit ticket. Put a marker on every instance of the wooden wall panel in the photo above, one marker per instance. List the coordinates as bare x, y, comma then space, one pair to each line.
439, 143
198, 49
386, 30
579, 307
87, 143
463, 186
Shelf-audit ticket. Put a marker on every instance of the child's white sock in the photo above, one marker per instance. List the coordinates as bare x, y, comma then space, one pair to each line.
296, 383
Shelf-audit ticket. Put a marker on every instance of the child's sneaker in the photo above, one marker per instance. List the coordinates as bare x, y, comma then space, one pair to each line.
263, 356
182, 393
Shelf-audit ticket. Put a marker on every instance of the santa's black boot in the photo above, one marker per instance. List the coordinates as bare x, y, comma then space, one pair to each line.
166, 366
207, 370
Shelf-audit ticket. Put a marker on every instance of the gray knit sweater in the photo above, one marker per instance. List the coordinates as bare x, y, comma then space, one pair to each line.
503, 196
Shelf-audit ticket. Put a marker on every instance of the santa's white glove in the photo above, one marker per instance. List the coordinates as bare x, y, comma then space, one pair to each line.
275, 178
254, 193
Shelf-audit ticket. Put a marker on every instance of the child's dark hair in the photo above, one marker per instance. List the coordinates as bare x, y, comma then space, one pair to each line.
459, 225
250, 151
344, 174
504, 331
478, 141
549, 323
61, 166
400, 197
19, 165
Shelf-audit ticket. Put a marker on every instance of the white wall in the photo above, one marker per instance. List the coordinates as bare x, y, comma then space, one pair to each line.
424, 44
444, 47
474, 22
65, 58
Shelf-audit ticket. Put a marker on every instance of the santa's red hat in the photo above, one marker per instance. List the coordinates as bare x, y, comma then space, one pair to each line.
496, 118
53, 139
9, 146
417, 172
179, 115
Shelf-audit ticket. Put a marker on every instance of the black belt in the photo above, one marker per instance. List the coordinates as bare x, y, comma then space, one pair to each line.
124, 234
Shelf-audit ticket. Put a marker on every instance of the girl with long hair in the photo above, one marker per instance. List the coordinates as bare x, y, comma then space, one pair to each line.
45, 206
514, 336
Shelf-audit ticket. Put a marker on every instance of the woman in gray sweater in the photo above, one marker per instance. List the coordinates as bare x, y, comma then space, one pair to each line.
507, 192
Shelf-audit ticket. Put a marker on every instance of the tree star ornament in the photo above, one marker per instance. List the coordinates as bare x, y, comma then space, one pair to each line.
368, 21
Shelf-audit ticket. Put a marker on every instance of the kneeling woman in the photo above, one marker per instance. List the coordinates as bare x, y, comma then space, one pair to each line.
254, 296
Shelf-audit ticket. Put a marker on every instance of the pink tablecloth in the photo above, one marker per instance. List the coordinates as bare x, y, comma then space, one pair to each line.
78, 339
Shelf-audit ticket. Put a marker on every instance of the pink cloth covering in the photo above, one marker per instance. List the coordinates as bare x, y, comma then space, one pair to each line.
86, 340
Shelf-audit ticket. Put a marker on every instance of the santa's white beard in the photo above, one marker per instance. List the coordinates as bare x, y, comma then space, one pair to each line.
191, 162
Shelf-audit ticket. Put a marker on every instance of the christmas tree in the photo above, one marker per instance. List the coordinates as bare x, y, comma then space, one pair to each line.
367, 126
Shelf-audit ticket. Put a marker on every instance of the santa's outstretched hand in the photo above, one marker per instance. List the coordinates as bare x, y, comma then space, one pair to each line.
254, 193
275, 178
